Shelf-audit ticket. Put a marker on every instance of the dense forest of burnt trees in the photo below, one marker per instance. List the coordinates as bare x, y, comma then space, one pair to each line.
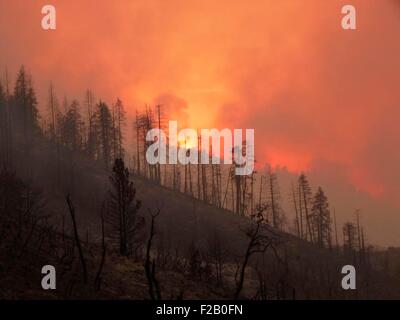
217, 185
96, 132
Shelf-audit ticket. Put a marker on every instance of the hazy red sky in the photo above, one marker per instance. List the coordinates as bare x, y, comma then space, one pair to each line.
320, 98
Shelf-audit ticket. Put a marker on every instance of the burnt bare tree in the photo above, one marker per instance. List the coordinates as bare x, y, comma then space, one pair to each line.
118, 123
98, 279
92, 126
273, 198
77, 238
259, 242
150, 264
304, 207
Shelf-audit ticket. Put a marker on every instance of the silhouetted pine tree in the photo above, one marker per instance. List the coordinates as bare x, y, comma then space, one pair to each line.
105, 133
71, 130
25, 106
321, 219
123, 208
119, 122
305, 200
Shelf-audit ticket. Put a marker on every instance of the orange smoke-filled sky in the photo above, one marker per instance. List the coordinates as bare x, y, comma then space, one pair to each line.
320, 98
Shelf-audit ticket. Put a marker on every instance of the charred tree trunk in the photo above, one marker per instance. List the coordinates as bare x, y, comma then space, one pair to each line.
77, 240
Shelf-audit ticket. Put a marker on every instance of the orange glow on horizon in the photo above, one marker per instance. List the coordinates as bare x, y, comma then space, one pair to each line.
284, 68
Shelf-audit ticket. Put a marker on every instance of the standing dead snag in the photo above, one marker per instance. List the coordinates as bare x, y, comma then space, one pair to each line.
305, 200
258, 243
97, 281
78, 241
274, 199
150, 265
297, 219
